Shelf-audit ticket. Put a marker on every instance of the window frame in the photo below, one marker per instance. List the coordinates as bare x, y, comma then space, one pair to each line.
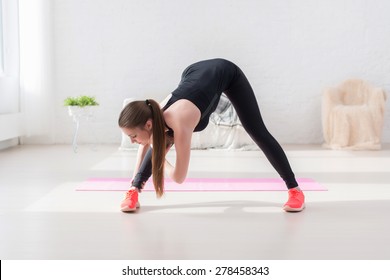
1, 40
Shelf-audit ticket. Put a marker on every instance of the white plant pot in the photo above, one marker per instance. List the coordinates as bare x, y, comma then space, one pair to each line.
78, 112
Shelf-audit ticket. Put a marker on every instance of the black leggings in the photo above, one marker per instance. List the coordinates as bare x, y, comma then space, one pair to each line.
243, 99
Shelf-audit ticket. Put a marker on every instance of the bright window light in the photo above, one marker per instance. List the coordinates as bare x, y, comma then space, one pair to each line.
1, 38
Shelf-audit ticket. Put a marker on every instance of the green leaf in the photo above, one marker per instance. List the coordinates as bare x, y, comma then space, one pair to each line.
81, 101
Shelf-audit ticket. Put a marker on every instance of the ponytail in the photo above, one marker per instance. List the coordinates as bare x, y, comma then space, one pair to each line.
159, 149
136, 114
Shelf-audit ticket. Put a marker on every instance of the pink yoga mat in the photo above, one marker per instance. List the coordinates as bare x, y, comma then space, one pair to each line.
201, 184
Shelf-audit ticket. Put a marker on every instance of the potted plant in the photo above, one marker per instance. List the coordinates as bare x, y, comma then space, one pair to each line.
80, 106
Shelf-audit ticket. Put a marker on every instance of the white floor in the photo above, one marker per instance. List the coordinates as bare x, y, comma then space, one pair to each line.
43, 217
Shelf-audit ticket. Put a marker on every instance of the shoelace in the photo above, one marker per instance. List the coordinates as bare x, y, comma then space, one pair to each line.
129, 194
294, 194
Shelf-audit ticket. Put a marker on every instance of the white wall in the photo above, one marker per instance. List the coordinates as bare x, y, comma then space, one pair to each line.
290, 51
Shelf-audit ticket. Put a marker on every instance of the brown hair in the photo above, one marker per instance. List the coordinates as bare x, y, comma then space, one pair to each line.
136, 114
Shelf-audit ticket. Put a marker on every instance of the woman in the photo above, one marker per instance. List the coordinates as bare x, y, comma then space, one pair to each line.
187, 110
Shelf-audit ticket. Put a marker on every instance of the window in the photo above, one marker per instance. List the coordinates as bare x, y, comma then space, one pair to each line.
10, 116
1, 39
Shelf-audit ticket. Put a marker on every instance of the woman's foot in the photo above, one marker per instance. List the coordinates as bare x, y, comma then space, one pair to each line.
130, 203
296, 201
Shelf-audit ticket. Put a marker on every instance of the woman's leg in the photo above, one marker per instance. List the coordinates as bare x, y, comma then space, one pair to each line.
144, 171
241, 95
130, 203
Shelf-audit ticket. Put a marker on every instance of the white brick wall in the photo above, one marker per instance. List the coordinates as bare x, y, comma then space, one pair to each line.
290, 50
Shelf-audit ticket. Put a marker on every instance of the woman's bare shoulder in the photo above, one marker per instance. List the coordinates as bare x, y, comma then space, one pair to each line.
182, 115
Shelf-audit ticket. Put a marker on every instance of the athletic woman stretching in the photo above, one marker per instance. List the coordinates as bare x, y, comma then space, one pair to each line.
187, 110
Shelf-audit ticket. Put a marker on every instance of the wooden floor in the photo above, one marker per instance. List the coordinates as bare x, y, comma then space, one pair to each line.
43, 217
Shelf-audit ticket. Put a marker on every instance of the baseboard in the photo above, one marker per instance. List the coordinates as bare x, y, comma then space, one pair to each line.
9, 143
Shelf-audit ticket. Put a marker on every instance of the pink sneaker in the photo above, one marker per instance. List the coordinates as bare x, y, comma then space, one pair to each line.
296, 201
130, 203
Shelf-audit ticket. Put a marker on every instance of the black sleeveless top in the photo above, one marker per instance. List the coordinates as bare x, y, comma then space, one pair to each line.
202, 83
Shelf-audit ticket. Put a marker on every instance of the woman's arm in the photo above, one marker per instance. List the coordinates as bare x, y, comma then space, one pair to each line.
178, 173
182, 117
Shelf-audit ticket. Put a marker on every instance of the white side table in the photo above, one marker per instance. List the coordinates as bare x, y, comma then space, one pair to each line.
80, 114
